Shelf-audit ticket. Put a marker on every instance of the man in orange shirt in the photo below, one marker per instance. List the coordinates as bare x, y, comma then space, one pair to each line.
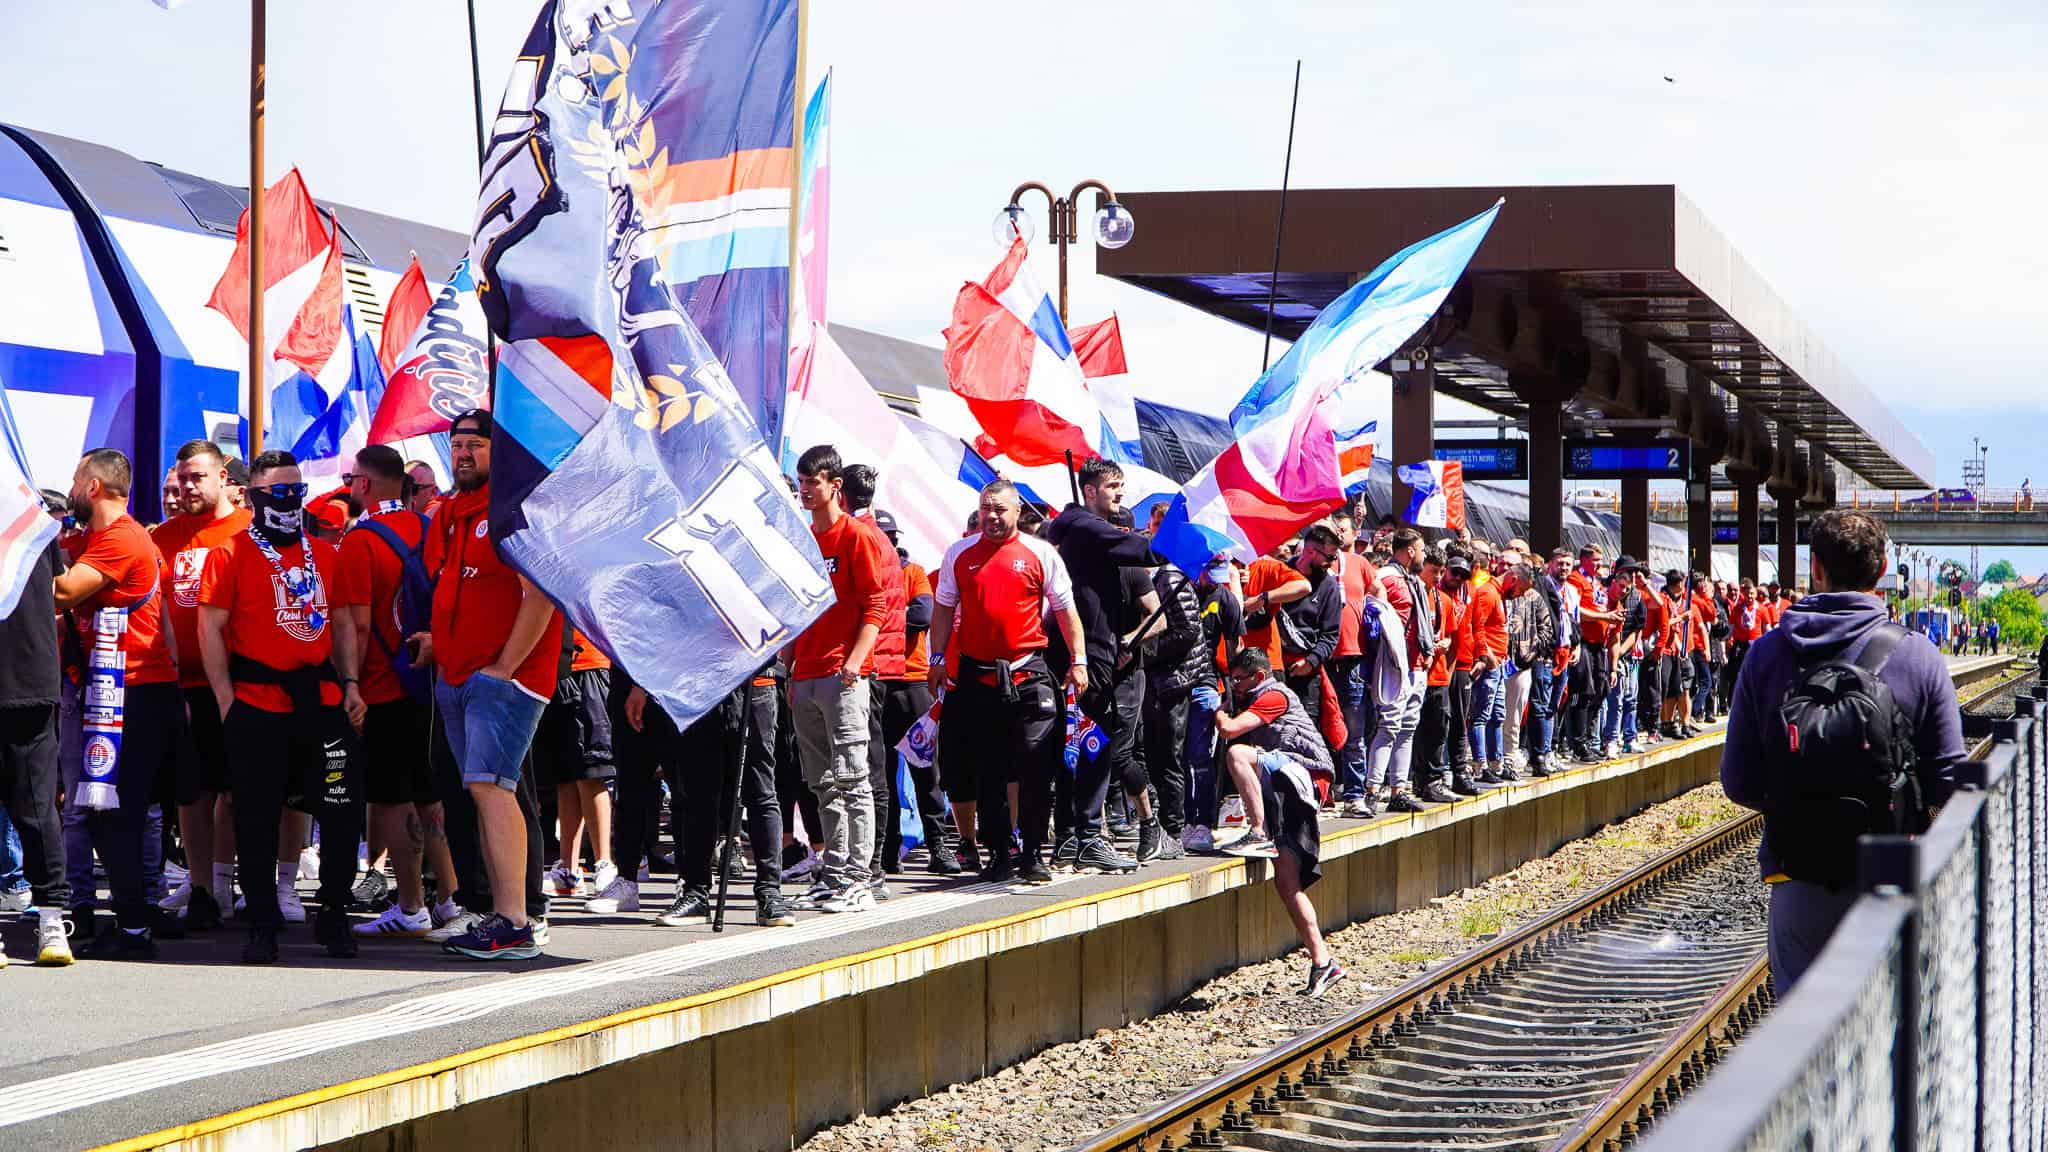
1598, 623
398, 778
277, 670
491, 642
134, 713
828, 686
207, 519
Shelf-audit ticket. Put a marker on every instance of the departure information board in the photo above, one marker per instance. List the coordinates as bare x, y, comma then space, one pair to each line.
1488, 459
1587, 458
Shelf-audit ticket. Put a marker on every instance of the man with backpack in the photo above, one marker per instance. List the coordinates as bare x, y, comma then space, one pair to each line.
1842, 724
383, 587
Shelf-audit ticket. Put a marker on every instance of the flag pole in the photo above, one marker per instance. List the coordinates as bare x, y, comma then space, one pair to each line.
257, 21
476, 98
1280, 229
800, 98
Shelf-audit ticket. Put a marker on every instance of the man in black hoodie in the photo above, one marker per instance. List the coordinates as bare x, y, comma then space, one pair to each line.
1095, 553
1835, 622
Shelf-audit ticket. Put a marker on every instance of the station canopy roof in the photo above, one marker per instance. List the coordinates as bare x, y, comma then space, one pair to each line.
1629, 274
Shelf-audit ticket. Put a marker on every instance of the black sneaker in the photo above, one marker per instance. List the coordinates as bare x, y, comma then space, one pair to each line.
667, 864
84, 922
1402, 801
970, 857
203, 913
999, 869
1032, 870
1464, 785
1321, 977
165, 924
1488, 776
689, 907
942, 861
331, 928
1170, 847
260, 946
1434, 793
1064, 856
1099, 855
495, 939
772, 911
1507, 774
1150, 839
120, 944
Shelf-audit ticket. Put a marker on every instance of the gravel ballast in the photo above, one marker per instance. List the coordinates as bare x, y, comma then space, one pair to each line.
1071, 1091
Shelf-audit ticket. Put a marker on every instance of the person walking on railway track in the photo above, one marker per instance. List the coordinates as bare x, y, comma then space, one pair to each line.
1274, 750
1841, 724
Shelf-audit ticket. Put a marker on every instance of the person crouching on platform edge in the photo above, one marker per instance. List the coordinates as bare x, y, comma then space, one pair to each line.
278, 660
1805, 756
1003, 714
1273, 748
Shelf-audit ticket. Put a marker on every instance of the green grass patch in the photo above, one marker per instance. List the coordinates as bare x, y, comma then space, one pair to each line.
1415, 956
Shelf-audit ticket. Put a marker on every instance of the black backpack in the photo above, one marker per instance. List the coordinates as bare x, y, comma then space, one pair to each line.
1844, 765
414, 605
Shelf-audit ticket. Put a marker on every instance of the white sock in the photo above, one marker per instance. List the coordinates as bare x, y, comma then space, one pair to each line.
223, 881
49, 915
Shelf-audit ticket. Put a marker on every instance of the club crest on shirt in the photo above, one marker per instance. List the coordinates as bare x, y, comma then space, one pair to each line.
1020, 564
291, 616
186, 568
831, 565
483, 527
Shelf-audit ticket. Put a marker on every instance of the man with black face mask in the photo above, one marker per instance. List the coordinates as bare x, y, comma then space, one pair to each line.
277, 657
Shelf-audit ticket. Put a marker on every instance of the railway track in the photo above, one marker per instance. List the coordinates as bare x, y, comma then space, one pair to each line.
1575, 1032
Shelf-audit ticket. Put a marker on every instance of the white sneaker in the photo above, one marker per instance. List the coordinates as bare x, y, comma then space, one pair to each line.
878, 888
289, 904
621, 895
1197, 838
1357, 809
309, 862
176, 873
53, 946
603, 876
541, 938
1232, 815
855, 899
394, 922
179, 897
445, 911
454, 926
1609, 751
563, 881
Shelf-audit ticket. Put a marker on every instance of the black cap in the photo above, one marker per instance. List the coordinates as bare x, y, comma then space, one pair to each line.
1626, 563
479, 421
238, 471
885, 522
1674, 576
1459, 564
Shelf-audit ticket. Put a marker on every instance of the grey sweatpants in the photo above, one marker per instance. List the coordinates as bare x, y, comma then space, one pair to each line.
832, 742
1803, 917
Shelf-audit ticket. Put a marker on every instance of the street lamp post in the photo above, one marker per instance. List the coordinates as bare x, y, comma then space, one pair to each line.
1113, 224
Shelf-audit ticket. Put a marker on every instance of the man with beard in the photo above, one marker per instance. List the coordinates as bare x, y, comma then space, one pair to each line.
494, 677
277, 671
206, 518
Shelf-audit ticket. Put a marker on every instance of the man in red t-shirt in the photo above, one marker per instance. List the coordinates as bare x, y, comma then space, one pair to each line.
207, 518
492, 643
398, 779
277, 670
828, 687
1001, 724
1591, 674
134, 714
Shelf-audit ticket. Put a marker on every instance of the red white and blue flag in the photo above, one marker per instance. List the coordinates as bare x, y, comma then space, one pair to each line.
434, 354
25, 528
1009, 357
320, 377
1436, 494
1354, 455
1283, 469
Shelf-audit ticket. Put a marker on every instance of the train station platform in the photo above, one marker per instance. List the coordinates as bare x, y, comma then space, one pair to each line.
628, 1035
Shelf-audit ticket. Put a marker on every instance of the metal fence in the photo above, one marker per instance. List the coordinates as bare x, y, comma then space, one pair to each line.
1916, 1028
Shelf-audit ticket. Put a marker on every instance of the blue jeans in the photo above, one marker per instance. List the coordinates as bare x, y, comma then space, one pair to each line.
11, 877
1542, 706
1201, 761
1618, 717
1348, 678
1489, 713
490, 724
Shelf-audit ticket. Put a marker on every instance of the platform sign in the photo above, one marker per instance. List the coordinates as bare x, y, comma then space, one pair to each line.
1488, 459
1767, 532
1727, 533
1591, 458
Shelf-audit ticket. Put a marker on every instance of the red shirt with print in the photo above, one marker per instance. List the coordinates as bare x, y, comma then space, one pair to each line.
1745, 621
853, 559
127, 557
1001, 594
1592, 595
369, 575
477, 596
184, 543
266, 623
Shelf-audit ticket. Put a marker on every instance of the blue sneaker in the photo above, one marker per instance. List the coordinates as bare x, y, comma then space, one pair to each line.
495, 939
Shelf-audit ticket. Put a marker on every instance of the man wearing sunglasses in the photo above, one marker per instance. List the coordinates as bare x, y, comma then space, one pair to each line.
277, 656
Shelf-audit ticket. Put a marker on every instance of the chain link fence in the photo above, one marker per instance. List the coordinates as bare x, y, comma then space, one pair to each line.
1917, 1027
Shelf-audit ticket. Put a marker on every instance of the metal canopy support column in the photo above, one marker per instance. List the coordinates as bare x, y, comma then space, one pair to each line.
1788, 538
1747, 522
1699, 513
1546, 477
1635, 517
1414, 417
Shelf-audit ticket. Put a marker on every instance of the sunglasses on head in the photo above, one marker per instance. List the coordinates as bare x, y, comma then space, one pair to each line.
281, 491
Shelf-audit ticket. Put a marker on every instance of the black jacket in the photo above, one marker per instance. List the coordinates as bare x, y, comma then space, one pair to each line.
1095, 553
1317, 616
1180, 659
29, 672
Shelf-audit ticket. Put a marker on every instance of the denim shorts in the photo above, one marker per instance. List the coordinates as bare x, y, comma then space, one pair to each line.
490, 724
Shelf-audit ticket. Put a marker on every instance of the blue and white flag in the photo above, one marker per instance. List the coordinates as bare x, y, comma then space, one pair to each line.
1436, 494
628, 480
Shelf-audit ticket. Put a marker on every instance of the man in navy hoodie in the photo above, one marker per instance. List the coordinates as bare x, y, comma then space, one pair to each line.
1848, 558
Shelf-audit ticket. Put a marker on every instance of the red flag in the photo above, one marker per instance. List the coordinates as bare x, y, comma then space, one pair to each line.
1100, 347
407, 310
293, 237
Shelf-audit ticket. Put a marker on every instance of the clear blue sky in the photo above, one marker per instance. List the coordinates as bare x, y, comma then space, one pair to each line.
1880, 164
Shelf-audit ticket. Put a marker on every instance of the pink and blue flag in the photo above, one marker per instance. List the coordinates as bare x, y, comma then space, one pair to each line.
1009, 357
1283, 470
